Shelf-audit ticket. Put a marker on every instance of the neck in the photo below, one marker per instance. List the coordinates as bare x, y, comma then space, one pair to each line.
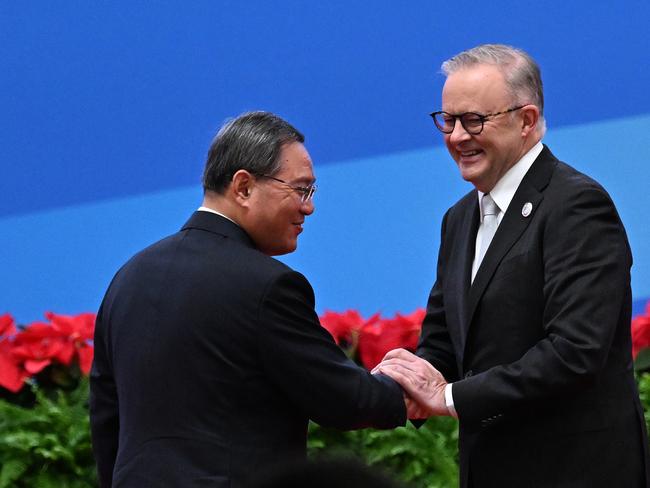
221, 204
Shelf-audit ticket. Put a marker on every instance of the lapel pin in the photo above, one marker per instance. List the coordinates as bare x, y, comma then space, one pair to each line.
526, 209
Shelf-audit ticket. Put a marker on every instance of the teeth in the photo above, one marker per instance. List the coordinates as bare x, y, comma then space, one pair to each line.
469, 153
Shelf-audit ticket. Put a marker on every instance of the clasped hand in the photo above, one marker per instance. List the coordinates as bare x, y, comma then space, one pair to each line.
423, 384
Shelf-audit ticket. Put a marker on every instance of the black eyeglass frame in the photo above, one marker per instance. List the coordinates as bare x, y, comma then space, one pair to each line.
306, 192
463, 118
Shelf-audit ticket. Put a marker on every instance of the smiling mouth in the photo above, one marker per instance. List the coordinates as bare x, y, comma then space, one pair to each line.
469, 154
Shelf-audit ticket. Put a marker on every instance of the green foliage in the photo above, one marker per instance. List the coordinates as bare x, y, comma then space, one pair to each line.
45, 442
424, 457
642, 361
644, 394
48, 443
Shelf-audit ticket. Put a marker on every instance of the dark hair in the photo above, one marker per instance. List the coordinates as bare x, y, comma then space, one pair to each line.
252, 142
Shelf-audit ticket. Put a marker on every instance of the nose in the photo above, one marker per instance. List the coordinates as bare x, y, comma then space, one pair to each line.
459, 133
307, 208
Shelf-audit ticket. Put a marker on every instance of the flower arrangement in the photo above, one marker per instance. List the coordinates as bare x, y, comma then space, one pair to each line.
44, 428
44, 424
368, 340
65, 340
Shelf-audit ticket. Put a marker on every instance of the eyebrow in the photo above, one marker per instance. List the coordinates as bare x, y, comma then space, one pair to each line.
306, 181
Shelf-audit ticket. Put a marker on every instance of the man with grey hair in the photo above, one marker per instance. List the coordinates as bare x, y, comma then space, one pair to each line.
527, 334
209, 356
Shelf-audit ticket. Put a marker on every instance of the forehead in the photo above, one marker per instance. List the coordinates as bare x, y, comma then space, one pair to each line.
477, 88
295, 162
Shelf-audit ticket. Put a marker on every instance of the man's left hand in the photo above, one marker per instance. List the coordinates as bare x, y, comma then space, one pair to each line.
424, 384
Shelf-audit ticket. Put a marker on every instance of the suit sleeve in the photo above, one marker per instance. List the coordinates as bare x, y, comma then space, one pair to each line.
586, 262
301, 357
104, 420
435, 344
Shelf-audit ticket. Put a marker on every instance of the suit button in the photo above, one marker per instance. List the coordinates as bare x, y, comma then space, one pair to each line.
469, 373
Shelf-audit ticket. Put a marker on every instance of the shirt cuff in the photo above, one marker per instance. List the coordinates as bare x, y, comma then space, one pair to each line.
449, 401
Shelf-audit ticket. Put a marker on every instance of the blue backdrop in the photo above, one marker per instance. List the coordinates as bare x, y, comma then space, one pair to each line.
108, 109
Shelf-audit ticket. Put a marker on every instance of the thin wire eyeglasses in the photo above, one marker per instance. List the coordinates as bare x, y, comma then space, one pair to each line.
306, 192
472, 122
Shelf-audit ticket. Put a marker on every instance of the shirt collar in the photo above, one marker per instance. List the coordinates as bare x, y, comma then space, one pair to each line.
504, 191
211, 210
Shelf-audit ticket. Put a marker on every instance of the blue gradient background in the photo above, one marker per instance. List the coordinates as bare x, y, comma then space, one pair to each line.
108, 109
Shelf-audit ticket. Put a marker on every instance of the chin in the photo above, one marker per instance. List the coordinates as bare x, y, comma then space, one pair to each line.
279, 251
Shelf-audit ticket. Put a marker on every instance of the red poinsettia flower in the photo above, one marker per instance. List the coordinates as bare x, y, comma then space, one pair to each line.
37, 345
378, 337
12, 376
65, 338
344, 327
641, 331
76, 332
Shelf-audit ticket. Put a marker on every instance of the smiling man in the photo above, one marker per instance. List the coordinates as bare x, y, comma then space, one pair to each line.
209, 356
529, 318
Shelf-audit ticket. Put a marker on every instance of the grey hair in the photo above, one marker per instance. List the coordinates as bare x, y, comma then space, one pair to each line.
521, 72
253, 142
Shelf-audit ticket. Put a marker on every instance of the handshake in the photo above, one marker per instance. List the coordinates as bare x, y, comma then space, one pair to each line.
423, 385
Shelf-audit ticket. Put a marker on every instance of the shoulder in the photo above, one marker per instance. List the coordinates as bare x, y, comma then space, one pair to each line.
568, 177
207, 258
266, 274
569, 187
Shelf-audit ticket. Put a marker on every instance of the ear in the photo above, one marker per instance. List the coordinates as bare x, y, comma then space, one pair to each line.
529, 120
241, 187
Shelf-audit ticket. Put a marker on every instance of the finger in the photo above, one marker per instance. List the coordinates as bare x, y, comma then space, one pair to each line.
399, 353
419, 390
403, 363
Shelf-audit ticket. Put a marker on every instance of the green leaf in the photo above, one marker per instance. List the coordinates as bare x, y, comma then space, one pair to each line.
10, 471
425, 457
48, 442
642, 361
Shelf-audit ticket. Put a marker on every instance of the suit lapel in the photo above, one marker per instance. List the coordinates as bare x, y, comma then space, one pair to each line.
471, 220
512, 226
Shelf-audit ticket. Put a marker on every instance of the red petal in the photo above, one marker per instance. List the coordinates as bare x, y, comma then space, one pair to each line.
36, 332
33, 366
82, 324
64, 353
11, 376
7, 325
85, 358
341, 325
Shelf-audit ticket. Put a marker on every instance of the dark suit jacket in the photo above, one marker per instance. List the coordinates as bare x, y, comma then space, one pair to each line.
538, 347
209, 361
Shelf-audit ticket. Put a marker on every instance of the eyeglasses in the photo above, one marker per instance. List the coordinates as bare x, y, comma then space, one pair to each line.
306, 192
472, 122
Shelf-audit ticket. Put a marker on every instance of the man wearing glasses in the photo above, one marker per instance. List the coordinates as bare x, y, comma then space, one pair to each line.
527, 334
209, 356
